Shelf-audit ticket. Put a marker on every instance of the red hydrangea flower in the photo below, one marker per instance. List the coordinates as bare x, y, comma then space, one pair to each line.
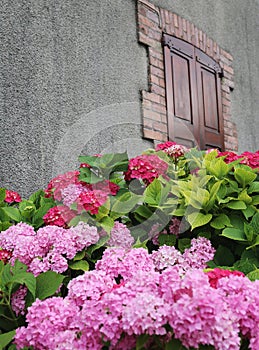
12, 196
59, 216
250, 159
172, 149
5, 255
229, 156
91, 200
60, 182
146, 167
165, 145
217, 273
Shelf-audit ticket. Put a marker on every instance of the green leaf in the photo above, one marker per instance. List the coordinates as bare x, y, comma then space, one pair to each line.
235, 234
126, 202
255, 243
244, 177
218, 168
255, 222
253, 275
198, 219
2, 194
101, 243
13, 213
184, 243
236, 205
47, 284
79, 265
254, 187
141, 341
26, 278
79, 256
249, 231
174, 344
255, 200
6, 338
169, 240
107, 223
152, 194
220, 222
243, 196
249, 211
224, 256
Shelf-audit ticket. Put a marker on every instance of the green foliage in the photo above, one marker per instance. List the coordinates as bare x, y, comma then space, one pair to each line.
30, 211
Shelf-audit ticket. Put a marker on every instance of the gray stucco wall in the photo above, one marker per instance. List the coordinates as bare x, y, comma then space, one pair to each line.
71, 72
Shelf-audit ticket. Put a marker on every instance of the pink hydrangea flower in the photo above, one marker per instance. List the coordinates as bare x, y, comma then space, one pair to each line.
5, 255
18, 301
12, 197
59, 216
120, 236
216, 274
200, 252
146, 167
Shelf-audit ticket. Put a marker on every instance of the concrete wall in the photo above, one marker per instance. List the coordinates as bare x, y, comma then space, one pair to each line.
71, 72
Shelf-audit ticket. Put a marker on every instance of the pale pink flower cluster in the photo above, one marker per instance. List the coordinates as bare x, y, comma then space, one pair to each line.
127, 296
120, 236
49, 248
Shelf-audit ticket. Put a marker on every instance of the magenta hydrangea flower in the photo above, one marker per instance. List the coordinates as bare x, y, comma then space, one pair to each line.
146, 167
59, 216
12, 197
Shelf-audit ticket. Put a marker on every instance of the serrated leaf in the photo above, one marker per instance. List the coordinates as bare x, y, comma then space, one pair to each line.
107, 223
235, 234
198, 219
79, 265
244, 177
249, 211
249, 231
47, 284
79, 256
141, 341
255, 243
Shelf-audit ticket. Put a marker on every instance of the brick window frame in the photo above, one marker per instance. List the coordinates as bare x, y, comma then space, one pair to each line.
153, 22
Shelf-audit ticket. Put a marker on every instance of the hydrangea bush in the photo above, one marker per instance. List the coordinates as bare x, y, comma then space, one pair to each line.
160, 251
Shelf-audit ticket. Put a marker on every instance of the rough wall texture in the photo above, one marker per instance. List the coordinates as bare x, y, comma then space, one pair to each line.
71, 74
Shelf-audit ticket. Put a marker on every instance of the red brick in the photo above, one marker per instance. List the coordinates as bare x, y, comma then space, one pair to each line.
162, 100
154, 79
226, 95
170, 29
150, 96
155, 52
146, 40
226, 102
156, 62
162, 82
157, 90
152, 115
176, 24
160, 127
147, 22
147, 123
159, 108
226, 54
154, 135
157, 71
228, 69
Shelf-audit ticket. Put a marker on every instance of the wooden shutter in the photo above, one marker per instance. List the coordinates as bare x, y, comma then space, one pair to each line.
209, 100
181, 92
192, 95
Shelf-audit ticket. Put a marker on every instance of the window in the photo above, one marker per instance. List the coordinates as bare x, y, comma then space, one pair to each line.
193, 95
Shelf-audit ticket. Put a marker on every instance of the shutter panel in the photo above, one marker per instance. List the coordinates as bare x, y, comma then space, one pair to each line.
181, 94
209, 101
